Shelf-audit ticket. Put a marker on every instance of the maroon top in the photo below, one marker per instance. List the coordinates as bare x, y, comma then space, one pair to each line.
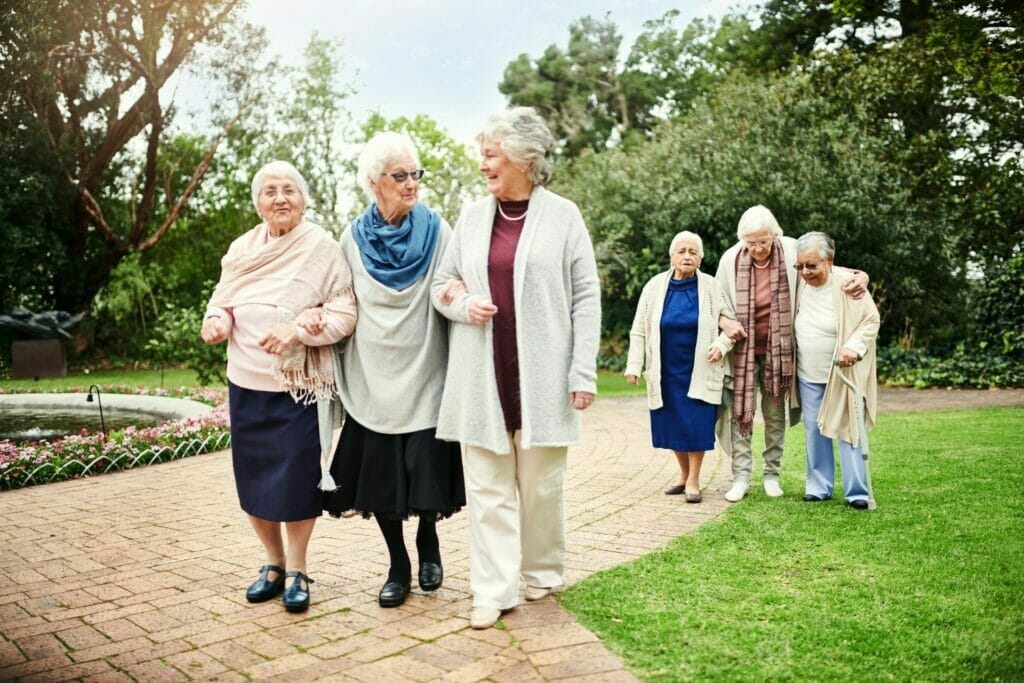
501, 261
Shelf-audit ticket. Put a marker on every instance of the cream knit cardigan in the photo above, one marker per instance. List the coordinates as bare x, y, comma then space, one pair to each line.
558, 326
645, 339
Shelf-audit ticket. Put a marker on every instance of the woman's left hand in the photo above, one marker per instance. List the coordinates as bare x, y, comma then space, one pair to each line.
581, 400
846, 357
279, 338
311, 320
714, 354
856, 286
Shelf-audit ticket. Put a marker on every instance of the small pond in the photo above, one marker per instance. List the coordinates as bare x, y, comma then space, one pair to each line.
36, 423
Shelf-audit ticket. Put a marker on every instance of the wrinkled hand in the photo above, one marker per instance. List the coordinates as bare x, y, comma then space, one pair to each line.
215, 330
633, 379
581, 400
451, 291
279, 338
732, 328
856, 286
481, 310
311, 320
714, 354
846, 357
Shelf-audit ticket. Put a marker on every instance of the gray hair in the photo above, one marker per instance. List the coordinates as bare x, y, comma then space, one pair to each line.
817, 240
525, 138
278, 169
382, 148
755, 219
687, 235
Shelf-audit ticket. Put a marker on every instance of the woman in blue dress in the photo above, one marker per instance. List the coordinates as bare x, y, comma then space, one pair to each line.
676, 336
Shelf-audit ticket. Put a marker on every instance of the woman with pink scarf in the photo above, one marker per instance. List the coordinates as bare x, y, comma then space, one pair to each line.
278, 371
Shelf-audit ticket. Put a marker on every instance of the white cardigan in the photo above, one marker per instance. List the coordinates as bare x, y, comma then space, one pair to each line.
645, 339
558, 326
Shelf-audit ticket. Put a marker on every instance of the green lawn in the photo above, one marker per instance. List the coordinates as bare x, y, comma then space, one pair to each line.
608, 383
928, 587
172, 377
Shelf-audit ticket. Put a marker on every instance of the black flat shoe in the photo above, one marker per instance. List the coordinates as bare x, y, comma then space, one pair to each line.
675, 490
859, 504
394, 593
263, 589
431, 576
296, 598
811, 498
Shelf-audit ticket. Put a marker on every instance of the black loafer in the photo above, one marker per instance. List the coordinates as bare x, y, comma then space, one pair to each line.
675, 490
296, 598
263, 589
393, 593
859, 504
811, 498
431, 576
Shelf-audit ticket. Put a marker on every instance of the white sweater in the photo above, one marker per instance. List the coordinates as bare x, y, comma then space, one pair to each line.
558, 326
393, 365
645, 339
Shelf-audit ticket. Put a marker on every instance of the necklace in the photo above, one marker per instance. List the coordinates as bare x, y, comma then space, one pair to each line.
509, 218
766, 264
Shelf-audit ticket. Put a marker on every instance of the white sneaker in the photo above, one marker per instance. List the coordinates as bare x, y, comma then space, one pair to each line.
738, 490
772, 488
484, 617
533, 593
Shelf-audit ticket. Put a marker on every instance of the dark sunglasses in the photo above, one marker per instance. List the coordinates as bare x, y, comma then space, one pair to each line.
402, 176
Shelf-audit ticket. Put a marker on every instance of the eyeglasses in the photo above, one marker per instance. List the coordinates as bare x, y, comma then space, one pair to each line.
760, 243
809, 267
287, 191
401, 176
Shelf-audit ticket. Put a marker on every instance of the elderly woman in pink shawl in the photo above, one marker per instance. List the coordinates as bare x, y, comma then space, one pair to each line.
278, 370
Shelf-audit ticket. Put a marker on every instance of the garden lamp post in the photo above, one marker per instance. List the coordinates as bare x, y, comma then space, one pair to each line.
88, 399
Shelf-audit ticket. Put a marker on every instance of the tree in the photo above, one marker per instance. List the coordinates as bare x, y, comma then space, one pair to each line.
816, 164
452, 177
581, 93
95, 82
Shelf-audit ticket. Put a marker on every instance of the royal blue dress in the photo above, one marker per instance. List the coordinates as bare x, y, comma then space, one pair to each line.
682, 423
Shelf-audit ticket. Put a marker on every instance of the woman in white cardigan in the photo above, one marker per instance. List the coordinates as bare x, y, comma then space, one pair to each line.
677, 322
520, 281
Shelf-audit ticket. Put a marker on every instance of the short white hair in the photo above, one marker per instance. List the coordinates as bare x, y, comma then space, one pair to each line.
278, 169
524, 136
686, 235
378, 151
824, 244
755, 219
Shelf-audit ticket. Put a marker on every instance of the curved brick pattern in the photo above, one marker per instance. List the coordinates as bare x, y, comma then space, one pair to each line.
140, 575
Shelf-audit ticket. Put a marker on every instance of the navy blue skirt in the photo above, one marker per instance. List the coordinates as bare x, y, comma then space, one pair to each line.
275, 452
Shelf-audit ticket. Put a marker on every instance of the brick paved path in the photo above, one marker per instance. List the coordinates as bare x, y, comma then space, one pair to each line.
140, 575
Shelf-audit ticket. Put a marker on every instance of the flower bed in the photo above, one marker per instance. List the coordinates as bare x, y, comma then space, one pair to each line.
84, 454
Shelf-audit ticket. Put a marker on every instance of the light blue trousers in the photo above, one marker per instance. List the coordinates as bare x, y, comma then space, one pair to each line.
821, 462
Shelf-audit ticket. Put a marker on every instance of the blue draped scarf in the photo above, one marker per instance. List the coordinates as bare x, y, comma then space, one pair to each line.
397, 255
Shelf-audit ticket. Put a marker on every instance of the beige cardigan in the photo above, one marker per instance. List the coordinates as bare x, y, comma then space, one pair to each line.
855, 319
645, 339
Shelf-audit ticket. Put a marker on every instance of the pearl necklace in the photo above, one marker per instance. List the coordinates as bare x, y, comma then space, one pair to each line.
509, 218
766, 264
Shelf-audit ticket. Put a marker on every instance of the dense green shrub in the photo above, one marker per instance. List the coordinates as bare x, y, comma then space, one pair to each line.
969, 367
177, 341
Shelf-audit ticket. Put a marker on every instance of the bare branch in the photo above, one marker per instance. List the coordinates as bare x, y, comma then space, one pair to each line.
92, 207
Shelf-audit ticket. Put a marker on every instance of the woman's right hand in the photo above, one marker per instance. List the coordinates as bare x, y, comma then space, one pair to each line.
733, 329
311, 320
451, 291
481, 310
215, 330
633, 379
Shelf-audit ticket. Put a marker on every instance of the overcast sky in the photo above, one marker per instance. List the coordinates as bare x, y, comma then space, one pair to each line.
445, 58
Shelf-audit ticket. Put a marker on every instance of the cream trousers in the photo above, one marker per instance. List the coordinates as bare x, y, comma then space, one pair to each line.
516, 521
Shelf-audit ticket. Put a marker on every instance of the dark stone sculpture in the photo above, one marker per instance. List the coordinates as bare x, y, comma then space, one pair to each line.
40, 351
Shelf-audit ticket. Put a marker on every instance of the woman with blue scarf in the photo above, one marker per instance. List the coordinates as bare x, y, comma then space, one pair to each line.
388, 463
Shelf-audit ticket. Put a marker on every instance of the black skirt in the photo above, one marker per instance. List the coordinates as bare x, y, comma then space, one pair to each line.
275, 452
395, 475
